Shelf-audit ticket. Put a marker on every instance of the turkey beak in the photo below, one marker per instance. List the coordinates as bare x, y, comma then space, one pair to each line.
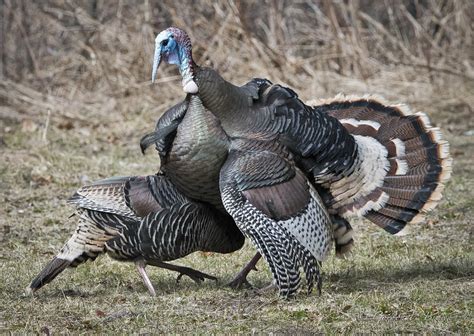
156, 61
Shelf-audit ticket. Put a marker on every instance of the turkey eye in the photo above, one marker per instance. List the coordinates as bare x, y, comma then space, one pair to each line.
164, 43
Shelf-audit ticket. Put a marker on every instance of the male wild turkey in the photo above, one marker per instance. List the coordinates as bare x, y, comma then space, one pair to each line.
145, 220
363, 157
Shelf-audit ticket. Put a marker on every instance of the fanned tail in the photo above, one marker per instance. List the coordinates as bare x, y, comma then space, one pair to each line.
417, 163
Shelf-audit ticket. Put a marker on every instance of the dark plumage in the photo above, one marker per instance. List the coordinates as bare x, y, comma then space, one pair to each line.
146, 220
363, 157
276, 206
186, 215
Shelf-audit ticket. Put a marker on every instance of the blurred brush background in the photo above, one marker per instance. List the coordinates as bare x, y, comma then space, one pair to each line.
90, 60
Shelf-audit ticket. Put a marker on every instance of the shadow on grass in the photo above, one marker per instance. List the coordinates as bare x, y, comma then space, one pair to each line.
373, 278
106, 287
351, 280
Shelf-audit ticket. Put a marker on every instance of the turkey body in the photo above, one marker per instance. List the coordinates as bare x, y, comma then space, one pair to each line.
256, 161
259, 184
368, 158
293, 170
149, 220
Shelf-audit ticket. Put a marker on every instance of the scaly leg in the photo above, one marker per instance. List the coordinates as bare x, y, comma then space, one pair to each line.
141, 269
240, 279
195, 275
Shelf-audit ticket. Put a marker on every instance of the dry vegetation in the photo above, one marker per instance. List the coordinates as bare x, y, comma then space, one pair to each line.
75, 98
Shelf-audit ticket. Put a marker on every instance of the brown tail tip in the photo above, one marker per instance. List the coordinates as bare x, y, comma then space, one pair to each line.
49, 272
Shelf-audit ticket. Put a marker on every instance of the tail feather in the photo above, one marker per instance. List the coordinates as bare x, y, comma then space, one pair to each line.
402, 128
49, 272
409, 204
418, 158
87, 242
389, 224
402, 214
426, 169
421, 156
409, 193
425, 139
410, 180
395, 148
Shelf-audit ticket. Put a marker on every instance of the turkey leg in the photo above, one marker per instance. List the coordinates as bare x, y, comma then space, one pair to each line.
240, 279
141, 269
195, 275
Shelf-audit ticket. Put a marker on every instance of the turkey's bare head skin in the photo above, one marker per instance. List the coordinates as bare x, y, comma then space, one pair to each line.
173, 46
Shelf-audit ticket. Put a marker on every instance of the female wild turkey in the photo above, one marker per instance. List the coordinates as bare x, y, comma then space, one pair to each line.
145, 220
365, 158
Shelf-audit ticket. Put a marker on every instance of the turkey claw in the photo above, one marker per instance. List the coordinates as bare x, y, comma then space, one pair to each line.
239, 283
196, 276
240, 280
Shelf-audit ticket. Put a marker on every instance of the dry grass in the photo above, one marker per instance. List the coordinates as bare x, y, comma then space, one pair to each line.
75, 98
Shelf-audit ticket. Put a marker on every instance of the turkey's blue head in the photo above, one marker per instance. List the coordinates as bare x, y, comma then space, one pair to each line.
173, 46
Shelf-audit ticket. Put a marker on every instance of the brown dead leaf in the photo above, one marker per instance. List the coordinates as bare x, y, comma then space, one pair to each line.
206, 254
457, 152
430, 223
100, 313
28, 126
66, 125
40, 175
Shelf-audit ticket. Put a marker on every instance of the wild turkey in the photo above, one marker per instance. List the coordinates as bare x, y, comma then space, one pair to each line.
145, 220
193, 147
365, 158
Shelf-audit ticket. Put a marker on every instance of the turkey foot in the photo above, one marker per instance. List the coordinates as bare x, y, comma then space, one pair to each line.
195, 275
240, 280
267, 289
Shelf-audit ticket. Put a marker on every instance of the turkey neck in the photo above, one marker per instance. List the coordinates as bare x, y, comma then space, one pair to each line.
226, 101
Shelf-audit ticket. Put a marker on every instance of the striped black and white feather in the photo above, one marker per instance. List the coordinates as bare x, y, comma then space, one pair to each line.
140, 219
278, 209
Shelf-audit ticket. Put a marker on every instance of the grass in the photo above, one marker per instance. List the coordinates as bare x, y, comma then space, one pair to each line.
418, 283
